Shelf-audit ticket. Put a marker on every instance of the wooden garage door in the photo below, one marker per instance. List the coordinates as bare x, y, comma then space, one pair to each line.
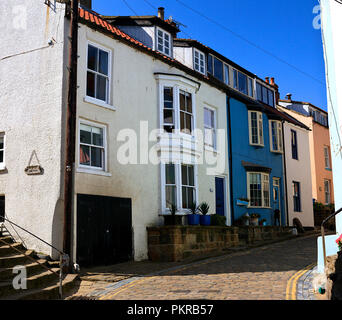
104, 230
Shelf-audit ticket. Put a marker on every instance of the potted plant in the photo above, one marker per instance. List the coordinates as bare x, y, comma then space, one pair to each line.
254, 219
172, 219
203, 208
242, 201
339, 243
262, 222
245, 219
193, 217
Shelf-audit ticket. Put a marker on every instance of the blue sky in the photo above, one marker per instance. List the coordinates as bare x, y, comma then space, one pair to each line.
282, 27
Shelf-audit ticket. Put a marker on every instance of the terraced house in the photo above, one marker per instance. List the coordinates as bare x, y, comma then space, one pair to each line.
133, 122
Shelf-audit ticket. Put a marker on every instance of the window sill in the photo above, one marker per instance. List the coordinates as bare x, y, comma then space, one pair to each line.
2, 168
328, 169
257, 145
92, 171
258, 207
99, 103
210, 148
278, 152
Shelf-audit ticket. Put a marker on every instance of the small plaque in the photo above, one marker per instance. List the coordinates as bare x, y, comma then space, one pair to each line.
34, 170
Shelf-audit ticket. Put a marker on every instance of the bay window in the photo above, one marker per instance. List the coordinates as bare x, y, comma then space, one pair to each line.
168, 110
186, 118
258, 189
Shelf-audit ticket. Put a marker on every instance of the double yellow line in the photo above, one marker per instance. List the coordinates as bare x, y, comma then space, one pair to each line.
291, 289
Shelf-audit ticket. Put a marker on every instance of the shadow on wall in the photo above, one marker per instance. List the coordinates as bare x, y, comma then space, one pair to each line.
57, 229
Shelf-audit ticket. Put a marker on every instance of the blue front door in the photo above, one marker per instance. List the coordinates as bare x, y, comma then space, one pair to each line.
220, 201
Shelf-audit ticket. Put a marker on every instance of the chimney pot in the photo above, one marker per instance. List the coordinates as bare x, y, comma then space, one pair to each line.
272, 81
161, 11
288, 96
267, 80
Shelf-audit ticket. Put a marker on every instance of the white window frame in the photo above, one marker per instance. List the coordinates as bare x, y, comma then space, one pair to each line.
327, 192
260, 128
94, 100
279, 136
3, 163
178, 180
327, 158
201, 57
214, 129
170, 41
91, 169
262, 174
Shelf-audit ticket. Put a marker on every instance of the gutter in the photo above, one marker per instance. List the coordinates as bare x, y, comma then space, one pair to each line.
230, 154
70, 127
285, 176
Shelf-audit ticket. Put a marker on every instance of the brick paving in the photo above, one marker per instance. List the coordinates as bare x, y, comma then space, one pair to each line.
259, 273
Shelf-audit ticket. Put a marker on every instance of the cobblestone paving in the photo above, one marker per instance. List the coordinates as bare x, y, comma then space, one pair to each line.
260, 273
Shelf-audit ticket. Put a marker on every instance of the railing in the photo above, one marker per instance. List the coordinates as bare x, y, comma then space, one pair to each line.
323, 233
63, 257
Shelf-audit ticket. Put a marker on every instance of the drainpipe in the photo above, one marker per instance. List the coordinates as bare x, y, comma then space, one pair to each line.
70, 127
285, 175
230, 154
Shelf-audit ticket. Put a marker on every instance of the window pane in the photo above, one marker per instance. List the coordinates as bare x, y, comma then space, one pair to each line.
226, 74
85, 155
97, 136
218, 69
1, 156
259, 91
270, 98
85, 134
182, 101
170, 174
242, 83
92, 58
103, 63
189, 103
90, 84
188, 123
101, 87
264, 95
168, 116
170, 196
96, 157
184, 175
1, 143
191, 181
168, 98
210, 64
250, 87
235, 79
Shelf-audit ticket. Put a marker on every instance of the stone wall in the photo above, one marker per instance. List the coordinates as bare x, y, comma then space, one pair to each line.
176, 243
333, 272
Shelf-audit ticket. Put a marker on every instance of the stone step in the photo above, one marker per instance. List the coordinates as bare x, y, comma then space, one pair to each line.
49, 293
41, 280
7, 239
32, 268
6, 250
17, 259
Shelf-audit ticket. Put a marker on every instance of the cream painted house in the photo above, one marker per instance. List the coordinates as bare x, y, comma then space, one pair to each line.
137, 148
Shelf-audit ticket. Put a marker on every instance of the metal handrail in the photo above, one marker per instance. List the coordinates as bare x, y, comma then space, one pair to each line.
323, 233
63, 257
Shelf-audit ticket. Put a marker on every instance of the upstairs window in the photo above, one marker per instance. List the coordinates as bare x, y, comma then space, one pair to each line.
296, 196
2, 150
265, 94
327, 157
250, 87
226, 74
255, 122
243, 83
215, 67
294, 145
210, 127
163, 42
327, 194
188, 186
276, 136
92, 147
98, 73
170, 185
199, 61
186, 116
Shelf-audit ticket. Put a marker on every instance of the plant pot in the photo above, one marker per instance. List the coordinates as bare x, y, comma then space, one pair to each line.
193, 219
172, 220
254, 221
205, 220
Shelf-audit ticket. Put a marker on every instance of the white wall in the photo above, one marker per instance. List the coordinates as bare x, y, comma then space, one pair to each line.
299, 171
31, 84
135, 96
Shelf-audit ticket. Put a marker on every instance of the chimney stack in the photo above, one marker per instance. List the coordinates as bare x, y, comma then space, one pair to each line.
86, 3
267, 79
272, 81
288, 96
161, 11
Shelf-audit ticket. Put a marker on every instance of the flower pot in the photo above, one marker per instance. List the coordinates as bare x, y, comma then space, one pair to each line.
193, 219
172, 220
205, 220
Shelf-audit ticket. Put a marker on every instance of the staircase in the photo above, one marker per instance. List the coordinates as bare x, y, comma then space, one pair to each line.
42, 280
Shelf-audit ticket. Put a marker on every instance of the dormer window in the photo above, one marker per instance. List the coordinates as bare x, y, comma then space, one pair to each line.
264, 94
243, 83
164, 42
199, 61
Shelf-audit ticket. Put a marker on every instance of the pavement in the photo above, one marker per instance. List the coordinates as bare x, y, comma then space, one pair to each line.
277, 271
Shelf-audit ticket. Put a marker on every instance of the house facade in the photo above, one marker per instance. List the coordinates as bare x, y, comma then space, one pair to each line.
316, 120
